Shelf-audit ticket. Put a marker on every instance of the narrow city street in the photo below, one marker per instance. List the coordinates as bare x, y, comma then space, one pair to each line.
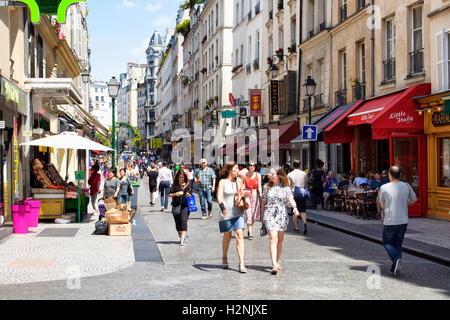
325, 264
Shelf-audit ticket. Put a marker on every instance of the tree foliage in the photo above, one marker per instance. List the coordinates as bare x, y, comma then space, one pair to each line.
190, 4
183, 27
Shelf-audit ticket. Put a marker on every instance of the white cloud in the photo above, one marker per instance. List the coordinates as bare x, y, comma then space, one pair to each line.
165, 21
153, 7
127, 4
140, 51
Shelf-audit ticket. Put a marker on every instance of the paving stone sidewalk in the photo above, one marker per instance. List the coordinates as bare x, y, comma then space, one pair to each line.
426, 237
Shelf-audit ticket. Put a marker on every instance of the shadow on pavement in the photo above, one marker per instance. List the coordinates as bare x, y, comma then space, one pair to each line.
414, 270
168, 242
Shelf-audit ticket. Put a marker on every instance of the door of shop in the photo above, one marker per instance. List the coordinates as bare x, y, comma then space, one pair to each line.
409, 152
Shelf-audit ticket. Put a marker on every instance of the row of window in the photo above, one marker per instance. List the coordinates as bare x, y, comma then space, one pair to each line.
239, 54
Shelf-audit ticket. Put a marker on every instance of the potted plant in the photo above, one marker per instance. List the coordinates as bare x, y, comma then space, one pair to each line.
203, 70
269, 60
279, 53
216, 98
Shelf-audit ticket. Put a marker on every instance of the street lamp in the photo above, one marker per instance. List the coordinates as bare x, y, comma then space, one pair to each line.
310, 88
85, 76
274, 70
113, 90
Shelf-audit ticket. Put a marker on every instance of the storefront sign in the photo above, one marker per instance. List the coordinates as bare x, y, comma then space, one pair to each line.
274, 97
440, 119
15, 98
159, 143
401, 117
16, 158
228, 114
255, 102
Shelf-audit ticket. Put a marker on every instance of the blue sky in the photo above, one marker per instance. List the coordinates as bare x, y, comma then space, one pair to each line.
119, 32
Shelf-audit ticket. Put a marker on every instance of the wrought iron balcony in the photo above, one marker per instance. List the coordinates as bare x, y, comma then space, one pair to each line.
249, 16
361, 4
270, 15
257, 9
311, 33
322, 26
318, 100
340, 97
359, 91
389, 70
416, 62
280, 5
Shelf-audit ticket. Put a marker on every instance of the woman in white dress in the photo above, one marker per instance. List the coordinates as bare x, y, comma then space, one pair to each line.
277, 194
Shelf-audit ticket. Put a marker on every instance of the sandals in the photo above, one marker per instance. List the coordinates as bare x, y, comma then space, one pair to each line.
274, 271
242, 269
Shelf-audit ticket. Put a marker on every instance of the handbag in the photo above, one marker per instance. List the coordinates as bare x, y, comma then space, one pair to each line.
176, 210
240, 200
263, 231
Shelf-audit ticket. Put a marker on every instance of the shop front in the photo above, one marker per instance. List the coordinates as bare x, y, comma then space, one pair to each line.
436, 113
386, 131
13, 111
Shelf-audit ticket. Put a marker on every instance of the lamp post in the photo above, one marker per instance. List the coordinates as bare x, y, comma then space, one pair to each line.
113, 90
310, 88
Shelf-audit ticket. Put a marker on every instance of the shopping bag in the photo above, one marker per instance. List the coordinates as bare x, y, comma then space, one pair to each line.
192, 205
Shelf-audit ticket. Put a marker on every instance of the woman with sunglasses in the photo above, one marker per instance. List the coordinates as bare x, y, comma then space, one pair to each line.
179, 190
253, 190
231, 217
277, 194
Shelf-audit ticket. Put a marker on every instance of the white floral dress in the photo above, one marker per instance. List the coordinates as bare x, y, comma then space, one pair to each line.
276, 217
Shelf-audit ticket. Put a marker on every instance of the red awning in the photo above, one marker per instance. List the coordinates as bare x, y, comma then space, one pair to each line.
287, 132
390, 114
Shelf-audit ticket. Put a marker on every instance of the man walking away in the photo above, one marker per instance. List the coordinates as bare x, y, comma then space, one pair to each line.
165, 178
395, 197
206, 181
299, 179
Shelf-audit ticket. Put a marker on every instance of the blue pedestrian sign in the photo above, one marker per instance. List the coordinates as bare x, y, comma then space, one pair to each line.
309, 133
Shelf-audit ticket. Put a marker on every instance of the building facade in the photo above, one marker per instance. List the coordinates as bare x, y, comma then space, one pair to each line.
100, 106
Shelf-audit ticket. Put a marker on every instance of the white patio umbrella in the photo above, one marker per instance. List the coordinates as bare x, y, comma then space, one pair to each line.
67, 140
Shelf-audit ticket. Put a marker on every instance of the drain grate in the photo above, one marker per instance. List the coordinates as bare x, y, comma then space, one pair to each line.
58, 232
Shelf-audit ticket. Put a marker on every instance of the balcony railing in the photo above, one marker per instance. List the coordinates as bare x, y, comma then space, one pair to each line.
343, 12
416, 65
318, 100
270, 15
305, 105
322, 26
340, 97
257, 9
248, 68
249, 16
389, 70
311, 33
359, 91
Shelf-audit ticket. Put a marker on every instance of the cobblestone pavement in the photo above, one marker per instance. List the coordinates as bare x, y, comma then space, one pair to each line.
428, 230
29, 258
325, 264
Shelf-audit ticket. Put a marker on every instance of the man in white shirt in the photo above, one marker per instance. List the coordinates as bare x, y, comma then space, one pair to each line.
165, 178
299, 178
395, 197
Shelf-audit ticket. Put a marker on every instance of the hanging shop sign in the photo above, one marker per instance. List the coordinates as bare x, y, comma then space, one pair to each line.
274, 98
228, 114
255, 102
15, 98
440, 119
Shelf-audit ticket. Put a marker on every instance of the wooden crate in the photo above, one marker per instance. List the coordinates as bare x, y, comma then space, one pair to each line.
51, 208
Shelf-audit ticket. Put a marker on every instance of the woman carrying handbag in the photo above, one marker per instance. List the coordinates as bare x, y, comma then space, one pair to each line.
179, 191
231, 200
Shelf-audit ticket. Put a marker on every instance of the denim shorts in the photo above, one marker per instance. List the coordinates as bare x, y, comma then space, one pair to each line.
124, 198
232, 224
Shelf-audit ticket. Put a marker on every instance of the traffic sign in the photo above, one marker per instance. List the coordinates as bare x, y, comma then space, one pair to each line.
232, 100
309, 133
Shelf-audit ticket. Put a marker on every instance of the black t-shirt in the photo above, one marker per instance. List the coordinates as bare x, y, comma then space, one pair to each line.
153, 177
343, 183
317, 178
180, 200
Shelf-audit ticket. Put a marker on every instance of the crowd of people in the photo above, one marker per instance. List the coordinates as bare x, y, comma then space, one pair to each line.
245, 195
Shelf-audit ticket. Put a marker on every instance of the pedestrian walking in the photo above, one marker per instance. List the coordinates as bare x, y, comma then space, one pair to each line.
126, 189
179, 190
206, 181
231, 217
112, 185
190, 173
277, 194
395, 197
165, 177
152, 182
94, 183
317, 177
298, 180
253, 190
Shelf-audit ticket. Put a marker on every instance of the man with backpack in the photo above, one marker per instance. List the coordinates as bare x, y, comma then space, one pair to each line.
299, 185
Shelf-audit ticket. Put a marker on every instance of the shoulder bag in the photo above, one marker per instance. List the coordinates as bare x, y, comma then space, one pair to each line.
240, 200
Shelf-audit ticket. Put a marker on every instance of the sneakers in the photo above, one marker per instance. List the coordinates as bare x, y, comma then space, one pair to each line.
183, 242
209, 214
204, 217
397, 267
